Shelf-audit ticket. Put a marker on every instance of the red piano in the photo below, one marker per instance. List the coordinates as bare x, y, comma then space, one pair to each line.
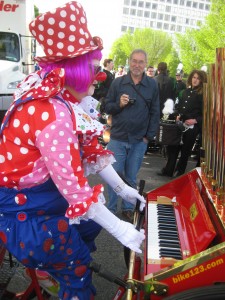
185, 240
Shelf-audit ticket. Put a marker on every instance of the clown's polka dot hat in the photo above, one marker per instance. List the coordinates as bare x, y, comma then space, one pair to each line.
63, 33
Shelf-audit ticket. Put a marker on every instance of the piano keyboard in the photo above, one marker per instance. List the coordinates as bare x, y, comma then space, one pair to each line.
163, 238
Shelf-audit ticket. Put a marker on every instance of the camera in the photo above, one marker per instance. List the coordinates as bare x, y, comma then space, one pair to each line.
132, 101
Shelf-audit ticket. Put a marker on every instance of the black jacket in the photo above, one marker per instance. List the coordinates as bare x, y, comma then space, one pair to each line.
190, 106
138, 120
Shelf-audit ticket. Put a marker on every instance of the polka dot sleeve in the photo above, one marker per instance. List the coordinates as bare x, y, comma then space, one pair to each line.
61, 152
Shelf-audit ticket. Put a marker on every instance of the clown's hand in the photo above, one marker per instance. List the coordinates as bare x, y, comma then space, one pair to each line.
121, 189
131, 195
124, 232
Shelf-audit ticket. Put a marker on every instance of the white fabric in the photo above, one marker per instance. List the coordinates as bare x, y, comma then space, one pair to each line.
124, 232
129, 194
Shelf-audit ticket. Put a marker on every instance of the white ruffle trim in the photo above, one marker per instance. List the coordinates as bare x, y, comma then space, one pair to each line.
101, 162
90, 214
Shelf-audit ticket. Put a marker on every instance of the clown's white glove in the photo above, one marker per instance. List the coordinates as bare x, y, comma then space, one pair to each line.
129, 194
124, 232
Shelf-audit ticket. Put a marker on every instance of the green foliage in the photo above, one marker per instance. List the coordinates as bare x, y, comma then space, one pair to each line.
195, 48
36, 11
198, 47
156, 43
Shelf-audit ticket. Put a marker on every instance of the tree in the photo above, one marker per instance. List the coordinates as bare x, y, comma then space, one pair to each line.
198, 47
156, 43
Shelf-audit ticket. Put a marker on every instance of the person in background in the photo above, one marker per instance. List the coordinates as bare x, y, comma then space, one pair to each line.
103, 87
133, 102
121, 71
150, 71
165, 84
189, 111
180, 84
50, 215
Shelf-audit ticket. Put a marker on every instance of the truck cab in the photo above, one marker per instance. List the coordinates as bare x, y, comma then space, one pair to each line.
17, 48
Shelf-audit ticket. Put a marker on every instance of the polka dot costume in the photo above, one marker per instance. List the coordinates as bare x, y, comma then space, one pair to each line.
48, 144
53, 137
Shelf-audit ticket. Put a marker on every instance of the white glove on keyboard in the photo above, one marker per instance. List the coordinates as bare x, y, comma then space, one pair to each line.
129, 194
124, 232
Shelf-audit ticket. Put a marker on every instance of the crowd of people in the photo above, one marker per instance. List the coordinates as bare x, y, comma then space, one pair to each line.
50, 215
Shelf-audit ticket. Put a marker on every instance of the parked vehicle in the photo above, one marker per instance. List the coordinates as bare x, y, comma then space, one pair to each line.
17, 47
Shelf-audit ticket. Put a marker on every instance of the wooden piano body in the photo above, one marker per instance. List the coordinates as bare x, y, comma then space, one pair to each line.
201, 237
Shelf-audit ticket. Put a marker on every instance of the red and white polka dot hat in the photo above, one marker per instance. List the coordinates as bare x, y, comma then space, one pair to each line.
63, 33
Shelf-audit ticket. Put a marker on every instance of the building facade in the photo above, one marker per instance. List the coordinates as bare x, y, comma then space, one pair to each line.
167, 15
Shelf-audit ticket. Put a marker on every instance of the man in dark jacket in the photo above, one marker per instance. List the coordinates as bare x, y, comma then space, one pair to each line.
133, 102
166, 85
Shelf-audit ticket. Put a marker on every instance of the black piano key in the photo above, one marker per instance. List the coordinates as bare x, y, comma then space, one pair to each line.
169, 242
172, 237
161, 221
168, 252
169, 245
164, 227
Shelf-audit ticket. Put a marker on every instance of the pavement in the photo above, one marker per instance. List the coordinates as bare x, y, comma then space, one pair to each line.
110, 253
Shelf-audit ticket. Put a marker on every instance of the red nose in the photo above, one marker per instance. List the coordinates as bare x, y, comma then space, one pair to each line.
101, 76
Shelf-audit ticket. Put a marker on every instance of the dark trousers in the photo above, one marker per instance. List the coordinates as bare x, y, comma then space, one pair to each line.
188, 141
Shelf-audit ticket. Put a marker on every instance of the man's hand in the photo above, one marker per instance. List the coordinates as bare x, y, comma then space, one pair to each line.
124, 100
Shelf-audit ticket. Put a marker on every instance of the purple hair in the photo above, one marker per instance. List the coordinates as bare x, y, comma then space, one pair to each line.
79, 71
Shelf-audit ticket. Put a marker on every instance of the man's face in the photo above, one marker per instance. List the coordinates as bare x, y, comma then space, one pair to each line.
150, 72
178, 77
111, 65
137, 64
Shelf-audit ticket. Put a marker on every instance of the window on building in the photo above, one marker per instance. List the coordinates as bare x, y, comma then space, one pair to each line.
123, 28
181, 2
195, 5
168, 8
172, 27
147, 5
160, 16
187, 21
175, 1
188, 4
140, 13
133, 12
126, 2
173, 19
201, 6
133, 2
153, 15
166, 26
159, 25
179, 28
126, 11
154, 6
167, 17
141, 4
131, 29
207, 7
146, 14
168, 1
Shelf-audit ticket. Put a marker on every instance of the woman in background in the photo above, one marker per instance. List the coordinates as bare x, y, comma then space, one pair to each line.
189, 110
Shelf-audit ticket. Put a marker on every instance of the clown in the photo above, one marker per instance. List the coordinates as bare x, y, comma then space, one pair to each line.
49, 214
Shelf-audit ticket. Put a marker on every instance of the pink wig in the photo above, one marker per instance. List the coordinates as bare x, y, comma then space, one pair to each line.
79, 71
